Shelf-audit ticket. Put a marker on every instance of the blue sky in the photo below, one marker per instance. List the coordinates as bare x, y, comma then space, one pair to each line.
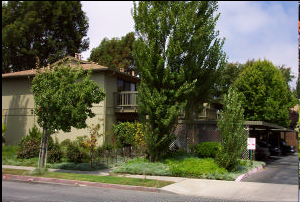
252, 29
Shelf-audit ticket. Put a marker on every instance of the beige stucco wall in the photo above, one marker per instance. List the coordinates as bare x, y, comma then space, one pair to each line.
17, 108
110, 87
18, 105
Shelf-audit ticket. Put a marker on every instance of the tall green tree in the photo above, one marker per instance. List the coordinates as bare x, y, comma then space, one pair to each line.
178, 56
198, 51
298, 88
231, 126
41, 32
287, 73
266, 96
228, 75
63, 98
115, 53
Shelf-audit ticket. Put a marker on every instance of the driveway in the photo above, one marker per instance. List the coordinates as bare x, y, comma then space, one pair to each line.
279, 170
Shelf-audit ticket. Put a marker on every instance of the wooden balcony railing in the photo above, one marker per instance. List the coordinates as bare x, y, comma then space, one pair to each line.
125, 101
206, 114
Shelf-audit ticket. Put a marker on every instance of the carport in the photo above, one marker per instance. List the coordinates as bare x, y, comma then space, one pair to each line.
272, 133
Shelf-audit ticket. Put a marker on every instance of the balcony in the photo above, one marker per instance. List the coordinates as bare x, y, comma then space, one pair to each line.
125, 102
206, 114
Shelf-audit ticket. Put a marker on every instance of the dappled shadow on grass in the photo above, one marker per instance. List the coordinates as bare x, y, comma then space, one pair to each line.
190, 167
79, 166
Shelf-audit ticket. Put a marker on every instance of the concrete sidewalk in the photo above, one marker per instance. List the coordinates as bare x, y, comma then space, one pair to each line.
240, 191
219, 189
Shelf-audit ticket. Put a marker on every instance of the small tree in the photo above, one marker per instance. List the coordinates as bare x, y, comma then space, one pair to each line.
231, 125
91, 143
63, 99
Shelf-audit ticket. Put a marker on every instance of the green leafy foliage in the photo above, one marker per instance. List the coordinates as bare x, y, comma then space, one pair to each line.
298, 87
231, 126
266, 96
143, 167
63, 98
76, 153
177, 55
227, 77
207, 149
193, 167
286, 73
3, 128
115, 53
65, 142
55, 154
91, 143
29, 146
3, 131
35, 33
129, 134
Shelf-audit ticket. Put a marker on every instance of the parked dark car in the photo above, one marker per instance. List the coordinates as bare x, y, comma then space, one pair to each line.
274, 150
286, 149
262, 151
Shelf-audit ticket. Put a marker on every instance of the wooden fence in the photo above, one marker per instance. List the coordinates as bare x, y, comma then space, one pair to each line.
119, 155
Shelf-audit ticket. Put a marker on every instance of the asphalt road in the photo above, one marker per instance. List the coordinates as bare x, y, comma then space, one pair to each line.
279, 170
28, 191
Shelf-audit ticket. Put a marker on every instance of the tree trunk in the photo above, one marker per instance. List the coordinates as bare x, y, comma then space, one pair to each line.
91, 154
190, 122
43, 149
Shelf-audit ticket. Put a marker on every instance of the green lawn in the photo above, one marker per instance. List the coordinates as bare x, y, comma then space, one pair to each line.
203, 168
9, 157
92, 178
186, 166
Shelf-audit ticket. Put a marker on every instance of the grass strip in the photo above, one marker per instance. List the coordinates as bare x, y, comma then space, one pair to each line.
92, 178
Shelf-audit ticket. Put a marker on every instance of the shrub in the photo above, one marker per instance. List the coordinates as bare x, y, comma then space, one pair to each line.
3, 128
3, 131
193, 167
65, 142
129, 134
100, 150
29, 146
207, 149
176, 152
55, 154
142, 166
76, 153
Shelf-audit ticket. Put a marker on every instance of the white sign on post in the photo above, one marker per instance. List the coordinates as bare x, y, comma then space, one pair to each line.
251, 144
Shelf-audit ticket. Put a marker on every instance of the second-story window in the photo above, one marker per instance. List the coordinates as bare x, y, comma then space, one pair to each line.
126, 86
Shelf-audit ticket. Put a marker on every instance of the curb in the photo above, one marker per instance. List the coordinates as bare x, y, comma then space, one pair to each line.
239, 178
78, 183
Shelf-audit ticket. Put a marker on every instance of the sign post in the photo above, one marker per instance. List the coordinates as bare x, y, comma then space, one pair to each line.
251, 145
